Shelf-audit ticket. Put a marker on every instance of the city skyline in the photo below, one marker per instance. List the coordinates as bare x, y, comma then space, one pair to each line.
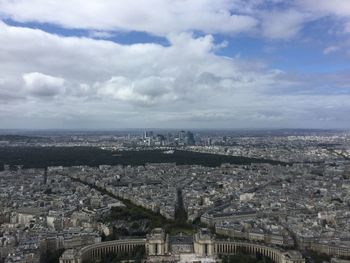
227, 64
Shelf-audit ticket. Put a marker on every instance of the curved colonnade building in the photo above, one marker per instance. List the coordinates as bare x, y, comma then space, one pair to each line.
159, 247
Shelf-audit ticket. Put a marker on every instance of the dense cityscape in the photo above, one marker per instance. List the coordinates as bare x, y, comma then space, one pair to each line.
291, 193
175, 131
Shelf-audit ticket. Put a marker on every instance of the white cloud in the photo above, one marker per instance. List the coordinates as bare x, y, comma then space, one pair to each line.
97, 82
146, 91
159, 17
100, 34
330, 49
275, 19
326, 7
283, 24
339, 10
38, 84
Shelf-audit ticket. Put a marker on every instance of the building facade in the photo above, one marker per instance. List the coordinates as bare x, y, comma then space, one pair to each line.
160, 247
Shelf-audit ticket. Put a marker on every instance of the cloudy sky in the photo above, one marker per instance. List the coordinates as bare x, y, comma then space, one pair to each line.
102, 64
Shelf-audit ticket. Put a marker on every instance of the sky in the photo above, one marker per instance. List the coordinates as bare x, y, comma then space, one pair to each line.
110, 64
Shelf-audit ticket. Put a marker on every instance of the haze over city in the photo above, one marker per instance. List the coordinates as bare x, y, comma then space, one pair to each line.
169, 64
